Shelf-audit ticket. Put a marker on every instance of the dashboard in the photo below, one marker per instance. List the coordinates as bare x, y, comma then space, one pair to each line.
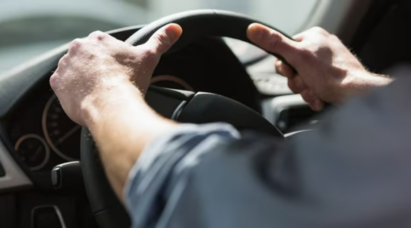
39, 134
44, 136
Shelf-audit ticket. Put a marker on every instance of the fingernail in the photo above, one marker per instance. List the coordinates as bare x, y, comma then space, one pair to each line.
278, 62
280, 70
173, 32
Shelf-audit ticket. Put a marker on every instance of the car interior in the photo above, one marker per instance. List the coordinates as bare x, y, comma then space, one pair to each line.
50, 174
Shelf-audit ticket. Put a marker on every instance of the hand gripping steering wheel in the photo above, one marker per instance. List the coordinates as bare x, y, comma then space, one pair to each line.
182, 106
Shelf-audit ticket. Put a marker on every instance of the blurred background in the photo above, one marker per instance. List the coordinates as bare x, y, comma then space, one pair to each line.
31, 27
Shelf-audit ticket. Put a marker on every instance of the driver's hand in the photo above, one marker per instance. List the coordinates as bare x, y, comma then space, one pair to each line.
100, 66
327, 70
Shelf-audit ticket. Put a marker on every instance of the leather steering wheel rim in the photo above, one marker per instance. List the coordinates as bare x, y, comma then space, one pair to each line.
105, 206
201, 23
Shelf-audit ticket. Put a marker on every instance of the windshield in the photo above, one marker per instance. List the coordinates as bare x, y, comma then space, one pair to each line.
30, 28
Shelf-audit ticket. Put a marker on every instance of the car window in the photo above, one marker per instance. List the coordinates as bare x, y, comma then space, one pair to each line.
29, 28
287, 15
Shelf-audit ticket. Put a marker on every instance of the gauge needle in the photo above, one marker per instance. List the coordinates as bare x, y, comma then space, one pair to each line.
36, 153
68, 134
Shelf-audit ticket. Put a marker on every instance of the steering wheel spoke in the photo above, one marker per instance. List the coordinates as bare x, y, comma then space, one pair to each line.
167, 102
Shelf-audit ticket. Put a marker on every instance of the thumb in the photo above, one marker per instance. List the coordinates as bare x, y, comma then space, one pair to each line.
273, 41
161, 41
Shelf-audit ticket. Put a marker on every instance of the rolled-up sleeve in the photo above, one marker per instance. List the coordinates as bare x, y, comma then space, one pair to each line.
353, 170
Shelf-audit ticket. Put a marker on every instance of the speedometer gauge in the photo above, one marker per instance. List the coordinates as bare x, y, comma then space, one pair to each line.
61, 133
33, 150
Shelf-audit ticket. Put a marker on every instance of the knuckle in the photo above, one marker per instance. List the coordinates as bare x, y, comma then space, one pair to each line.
320, 30
76, 42
162, 38
292, 86
148, 52
274, 40
316, 29
305, 53
75, 45
300, 37
53, 81
99, 35
163, 42
299, 84
306, 97
63, 60
334, 37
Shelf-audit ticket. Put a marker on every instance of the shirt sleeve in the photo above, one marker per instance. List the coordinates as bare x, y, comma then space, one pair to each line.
164, 165
353, 170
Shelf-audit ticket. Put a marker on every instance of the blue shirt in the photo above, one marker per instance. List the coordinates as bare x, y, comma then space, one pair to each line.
353, 170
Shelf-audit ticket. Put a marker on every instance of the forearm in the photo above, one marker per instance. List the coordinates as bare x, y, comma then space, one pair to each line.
122, 125
362, 83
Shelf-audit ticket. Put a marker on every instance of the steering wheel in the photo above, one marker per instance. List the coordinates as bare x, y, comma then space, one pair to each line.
182, 106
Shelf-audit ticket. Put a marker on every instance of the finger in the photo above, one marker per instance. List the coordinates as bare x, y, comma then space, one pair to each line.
164, 39
273, 41
313, 101
278, 68
285, 69
317, 105
308, 96
299, 37
296, 85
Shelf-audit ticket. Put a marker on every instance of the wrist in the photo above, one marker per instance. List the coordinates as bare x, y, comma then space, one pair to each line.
96, 107
362, 82
379, 80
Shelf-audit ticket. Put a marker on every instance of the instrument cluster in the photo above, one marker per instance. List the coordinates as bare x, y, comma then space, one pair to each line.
44, 136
